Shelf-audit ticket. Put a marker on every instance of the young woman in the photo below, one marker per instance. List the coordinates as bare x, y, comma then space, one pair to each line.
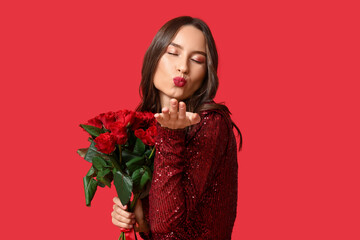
193, 193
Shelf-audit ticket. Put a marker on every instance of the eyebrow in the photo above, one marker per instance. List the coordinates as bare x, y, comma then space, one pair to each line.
182, 48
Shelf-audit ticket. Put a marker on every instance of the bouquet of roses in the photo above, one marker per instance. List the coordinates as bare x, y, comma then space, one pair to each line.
121, 151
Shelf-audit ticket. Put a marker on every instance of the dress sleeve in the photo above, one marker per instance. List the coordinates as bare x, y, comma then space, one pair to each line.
183, 169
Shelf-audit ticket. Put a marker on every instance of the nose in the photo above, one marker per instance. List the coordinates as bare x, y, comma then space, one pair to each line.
182, 65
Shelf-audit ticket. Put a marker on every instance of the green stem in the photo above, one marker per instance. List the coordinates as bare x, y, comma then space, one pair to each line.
152, 152
131, 207
115, 163
122, 236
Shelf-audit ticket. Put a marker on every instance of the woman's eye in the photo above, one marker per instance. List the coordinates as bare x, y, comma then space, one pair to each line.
197, 61
175, 54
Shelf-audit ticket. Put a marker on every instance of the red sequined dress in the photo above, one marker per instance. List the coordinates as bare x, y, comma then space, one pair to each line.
193, 192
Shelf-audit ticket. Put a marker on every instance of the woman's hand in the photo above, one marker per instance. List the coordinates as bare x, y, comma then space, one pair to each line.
120, 217
126, 220
176, 117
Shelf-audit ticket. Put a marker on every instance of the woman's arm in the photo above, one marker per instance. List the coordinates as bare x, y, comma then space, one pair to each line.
183, 169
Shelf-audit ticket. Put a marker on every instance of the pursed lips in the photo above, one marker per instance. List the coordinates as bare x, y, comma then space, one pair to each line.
179, 81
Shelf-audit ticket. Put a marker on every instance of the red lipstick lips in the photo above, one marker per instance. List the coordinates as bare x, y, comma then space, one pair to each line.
179, 81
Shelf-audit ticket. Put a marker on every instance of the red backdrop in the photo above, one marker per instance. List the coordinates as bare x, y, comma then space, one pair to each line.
289, 72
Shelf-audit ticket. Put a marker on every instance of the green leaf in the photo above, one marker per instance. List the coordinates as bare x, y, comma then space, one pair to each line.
108, 160
104, 172
93, 152
123, 185
91, 172
136, 178
139, 148
90, 186
140, 178
103, 181
93, 131
146, 177
82, 151
135, 164
99, 163
108, 177
127, 155
101, 177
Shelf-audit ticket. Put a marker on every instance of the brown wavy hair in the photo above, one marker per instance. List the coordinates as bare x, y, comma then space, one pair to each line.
150, 100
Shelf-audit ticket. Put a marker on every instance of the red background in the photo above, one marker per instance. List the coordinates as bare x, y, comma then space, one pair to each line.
289, 72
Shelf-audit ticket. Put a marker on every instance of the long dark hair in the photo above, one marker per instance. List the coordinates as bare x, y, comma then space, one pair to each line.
150, 100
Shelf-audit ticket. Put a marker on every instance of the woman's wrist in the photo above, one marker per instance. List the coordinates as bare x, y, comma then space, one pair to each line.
142, 226
161, 128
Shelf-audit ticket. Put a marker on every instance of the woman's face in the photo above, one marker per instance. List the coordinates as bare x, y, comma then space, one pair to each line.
182, 68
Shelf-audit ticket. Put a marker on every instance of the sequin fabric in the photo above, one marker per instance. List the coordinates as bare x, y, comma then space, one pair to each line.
193, 192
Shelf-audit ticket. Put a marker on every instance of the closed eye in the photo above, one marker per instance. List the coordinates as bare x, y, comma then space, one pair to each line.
194, 60
199, 62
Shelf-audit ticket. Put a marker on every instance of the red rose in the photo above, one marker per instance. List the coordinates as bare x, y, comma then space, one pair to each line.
121, 138
149, 118
152, 131
117, 127
105, 143
95, 122
143, 120
125, 116
144, 137
107, 118
119, 131
140, 133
